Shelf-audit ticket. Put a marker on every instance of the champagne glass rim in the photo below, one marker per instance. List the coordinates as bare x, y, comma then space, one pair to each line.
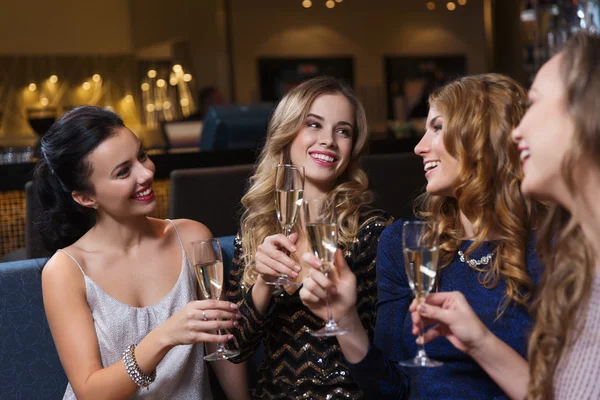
206, 241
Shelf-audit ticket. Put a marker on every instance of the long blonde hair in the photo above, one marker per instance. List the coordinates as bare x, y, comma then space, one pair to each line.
562, 246
481, 112
349, 194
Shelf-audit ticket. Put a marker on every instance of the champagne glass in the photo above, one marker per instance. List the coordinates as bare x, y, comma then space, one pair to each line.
289, 189
421, 252
321, 226
208, 265
246, 234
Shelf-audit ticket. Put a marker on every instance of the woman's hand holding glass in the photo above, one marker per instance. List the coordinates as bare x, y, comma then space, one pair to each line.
289, 191
453, 318
196, 322
208, 266
339, 284
322, 231
271, 259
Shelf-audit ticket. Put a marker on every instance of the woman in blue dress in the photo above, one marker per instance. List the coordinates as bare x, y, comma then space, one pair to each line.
559, 143
486, 249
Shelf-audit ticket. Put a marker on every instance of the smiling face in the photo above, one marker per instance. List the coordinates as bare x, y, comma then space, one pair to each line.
122, 176
545, 134
323, 144
441, 169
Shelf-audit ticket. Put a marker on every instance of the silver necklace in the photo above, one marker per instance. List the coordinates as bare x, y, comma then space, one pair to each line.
485, 260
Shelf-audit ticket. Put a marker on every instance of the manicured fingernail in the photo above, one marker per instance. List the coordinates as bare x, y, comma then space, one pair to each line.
295, 274
238, 315
235, 323
423, 309
233, 306
229, 337
298, 268
419, 340
293, 248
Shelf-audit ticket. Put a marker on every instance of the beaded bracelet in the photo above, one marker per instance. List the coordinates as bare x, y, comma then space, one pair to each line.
133, 369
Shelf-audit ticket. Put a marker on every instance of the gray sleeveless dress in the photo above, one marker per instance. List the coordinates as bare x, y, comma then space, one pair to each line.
181, 374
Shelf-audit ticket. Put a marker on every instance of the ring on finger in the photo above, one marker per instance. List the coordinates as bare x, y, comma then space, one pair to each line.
204, 316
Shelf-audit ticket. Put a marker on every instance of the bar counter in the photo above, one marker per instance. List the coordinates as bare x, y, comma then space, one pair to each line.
14, 176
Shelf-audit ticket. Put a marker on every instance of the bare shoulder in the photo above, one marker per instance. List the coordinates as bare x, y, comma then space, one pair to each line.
191, 230
62, 280
62, 270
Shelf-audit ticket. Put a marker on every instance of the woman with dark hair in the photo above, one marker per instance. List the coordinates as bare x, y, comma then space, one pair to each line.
486, 248
119, 293
559, 143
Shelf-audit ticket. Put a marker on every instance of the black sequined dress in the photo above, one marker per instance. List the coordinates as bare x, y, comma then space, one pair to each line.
297, 365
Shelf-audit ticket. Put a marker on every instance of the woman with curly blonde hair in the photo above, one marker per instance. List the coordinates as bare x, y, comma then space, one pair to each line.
559, 143
321, 126
485, 227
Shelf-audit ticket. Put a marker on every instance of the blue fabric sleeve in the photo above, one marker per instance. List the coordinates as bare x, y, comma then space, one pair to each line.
534, 264
378, 374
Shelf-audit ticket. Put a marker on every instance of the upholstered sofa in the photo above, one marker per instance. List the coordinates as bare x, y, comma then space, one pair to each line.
29, 365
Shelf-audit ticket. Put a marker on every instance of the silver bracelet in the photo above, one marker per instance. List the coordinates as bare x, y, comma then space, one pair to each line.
133, 369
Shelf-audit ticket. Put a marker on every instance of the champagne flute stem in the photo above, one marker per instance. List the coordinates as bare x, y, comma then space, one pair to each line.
330, 319
220, 346
420, 345
287, 231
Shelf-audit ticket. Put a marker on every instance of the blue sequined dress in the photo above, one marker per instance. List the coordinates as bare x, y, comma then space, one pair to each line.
378, 374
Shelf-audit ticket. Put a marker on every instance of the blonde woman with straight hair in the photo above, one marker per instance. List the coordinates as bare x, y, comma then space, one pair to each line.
559, 144
486, 248
319, 125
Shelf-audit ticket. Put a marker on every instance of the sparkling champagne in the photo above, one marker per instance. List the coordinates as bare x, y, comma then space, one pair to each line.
323, 242
288, 204
210, 278
421, 269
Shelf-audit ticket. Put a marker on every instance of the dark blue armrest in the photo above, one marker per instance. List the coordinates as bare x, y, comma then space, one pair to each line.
29, 365
227, 249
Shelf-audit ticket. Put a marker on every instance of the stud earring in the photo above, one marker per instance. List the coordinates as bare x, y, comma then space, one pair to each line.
95, 206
